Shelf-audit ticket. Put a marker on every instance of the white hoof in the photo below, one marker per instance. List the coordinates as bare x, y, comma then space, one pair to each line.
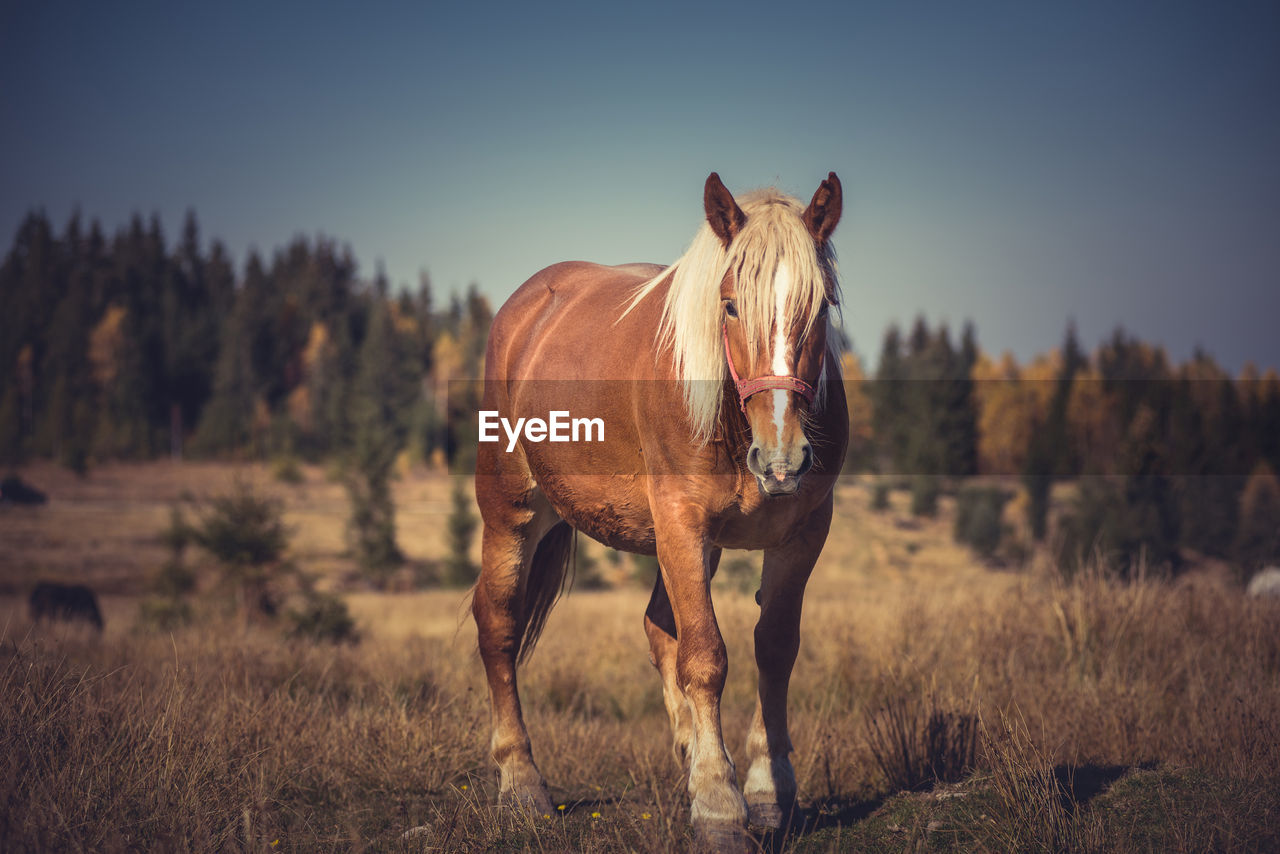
725, 838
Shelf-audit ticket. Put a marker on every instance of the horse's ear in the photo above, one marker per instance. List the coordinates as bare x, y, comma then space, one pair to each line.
824, 211
723, 214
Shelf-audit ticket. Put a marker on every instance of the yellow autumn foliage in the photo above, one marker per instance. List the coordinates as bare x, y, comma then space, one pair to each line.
104, 346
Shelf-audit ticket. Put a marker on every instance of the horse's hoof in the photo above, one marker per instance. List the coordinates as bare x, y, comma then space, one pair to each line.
765, 815
770, 815
725, 839
535, 802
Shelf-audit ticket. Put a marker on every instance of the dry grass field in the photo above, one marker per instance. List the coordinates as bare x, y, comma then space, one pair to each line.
1104, 716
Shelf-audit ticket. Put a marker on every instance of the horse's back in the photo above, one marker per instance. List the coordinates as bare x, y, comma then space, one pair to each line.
558, 323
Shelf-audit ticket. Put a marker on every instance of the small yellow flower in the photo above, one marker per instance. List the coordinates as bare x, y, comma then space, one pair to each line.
645, 816
275, 842
595, 815
561, 808
546, 815
464, 787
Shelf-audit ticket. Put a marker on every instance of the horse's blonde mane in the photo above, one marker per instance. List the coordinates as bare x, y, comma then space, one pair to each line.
691, 313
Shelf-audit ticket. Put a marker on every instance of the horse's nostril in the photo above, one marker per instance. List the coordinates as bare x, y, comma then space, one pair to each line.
753, 459
807, 462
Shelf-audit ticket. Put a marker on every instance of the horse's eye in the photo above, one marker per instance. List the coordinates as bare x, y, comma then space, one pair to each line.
730, 309
822, 312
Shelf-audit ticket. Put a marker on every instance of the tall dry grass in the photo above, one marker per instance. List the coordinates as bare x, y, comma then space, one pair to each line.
1098, 715
214, 738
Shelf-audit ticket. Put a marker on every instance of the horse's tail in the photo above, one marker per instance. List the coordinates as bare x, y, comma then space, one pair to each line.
547, 575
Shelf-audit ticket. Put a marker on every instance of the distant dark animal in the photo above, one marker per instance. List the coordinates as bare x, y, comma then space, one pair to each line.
69, 602
14, 490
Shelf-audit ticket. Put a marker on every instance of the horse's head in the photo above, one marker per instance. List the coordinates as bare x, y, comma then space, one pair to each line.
774, 303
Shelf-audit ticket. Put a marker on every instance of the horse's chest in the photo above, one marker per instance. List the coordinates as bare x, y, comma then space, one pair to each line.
761, 525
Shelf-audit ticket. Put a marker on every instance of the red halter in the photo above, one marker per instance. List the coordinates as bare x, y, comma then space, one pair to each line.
746, 388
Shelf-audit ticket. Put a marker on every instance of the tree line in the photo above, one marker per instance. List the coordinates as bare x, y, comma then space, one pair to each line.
126, 347
130, 347
1165, 458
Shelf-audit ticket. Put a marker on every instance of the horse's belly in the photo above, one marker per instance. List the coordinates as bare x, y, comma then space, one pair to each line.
613, 509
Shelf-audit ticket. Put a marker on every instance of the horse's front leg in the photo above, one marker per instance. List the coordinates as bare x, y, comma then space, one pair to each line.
770, 787
660, 627
718, 810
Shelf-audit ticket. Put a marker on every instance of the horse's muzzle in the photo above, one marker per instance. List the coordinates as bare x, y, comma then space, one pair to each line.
780, 474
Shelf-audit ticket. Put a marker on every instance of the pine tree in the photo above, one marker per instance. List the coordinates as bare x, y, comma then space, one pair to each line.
887, 399
11, 444
191, 331
1150, 504
1258, 538
925, 398
1046, 455
1208, 478
68, 422
246, 534
461, 527
381, 401
225, 423
962, 427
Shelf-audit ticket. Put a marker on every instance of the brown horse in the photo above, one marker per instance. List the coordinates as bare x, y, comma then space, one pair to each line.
724, 427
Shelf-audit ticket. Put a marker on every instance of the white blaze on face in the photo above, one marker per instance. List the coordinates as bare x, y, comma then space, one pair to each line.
781, 289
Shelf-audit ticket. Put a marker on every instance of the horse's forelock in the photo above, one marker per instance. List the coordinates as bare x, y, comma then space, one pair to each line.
690, 326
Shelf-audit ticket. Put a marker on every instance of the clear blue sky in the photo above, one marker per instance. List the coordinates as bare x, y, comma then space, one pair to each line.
1016, 163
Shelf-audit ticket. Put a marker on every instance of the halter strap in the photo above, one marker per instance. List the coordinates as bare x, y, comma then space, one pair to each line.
746, 388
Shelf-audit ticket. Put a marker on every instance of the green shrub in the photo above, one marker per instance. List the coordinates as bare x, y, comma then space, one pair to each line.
167, 608
173, 580
1257, 539
461, 529
242, 530
371, 529
322, 617
980, 518
246, 534
880, 496
163, 613
286, 469
924, 495
177, 535
1122, 521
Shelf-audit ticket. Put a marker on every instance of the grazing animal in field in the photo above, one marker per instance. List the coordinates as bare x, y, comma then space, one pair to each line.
725, 425
15, 490
69, 602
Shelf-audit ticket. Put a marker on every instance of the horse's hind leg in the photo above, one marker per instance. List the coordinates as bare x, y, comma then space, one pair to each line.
512, 532
770, 787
